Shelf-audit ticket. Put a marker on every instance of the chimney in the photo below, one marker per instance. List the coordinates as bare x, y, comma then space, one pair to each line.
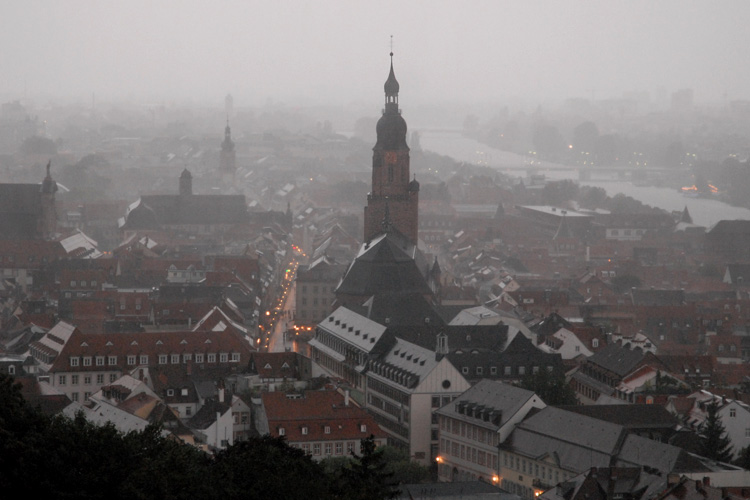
346, 398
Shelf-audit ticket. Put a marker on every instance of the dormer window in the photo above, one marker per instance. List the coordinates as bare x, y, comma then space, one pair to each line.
282, 431
327, 429
362, 428
304, 430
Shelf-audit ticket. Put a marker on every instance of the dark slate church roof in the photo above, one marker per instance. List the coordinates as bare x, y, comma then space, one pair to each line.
389, 263
197, 209
20, 209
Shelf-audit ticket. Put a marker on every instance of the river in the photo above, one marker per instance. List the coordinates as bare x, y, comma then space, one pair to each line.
705, 212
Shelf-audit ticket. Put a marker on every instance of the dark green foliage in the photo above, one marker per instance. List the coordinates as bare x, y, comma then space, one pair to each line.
58, 457
401, 468
366, 476
743, 460
38, 145
714, 441
623, 283
267, 467
551, 387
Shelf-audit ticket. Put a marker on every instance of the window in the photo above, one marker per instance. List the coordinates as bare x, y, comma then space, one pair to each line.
506, 371
73, 378
100, 361
112, 377
733, 412
493, 370
465, 370
223, 357
112, 360
61, 379
184, 391
316, 449
282, 431
93, 283
87, 379
74, 396
144, 359
162, 359
100, 378
327, 429
131, 360
188, 411
339, 448
362, 428
522, 370
235, 357
72, 283
747, 432
137, 304
304, 430
329, 448
212, 357
74, 361
87, 361
175, 359
199, 357
436, 401
480, 370
86, 396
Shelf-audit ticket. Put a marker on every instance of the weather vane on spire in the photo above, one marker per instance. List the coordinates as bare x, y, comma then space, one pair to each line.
391, 45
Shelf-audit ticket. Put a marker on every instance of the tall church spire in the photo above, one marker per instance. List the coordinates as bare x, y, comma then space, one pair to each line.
394, 196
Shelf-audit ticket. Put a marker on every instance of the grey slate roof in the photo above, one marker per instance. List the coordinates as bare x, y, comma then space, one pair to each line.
617, 359
579, 442
389, 263
197, 209
505, 398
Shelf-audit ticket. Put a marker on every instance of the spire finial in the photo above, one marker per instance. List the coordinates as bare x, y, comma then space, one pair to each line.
391, 46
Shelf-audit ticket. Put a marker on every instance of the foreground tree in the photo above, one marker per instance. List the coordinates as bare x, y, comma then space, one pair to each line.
551, 387
366, 476
714, 441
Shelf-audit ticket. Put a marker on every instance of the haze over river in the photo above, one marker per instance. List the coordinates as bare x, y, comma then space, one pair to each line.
705, 212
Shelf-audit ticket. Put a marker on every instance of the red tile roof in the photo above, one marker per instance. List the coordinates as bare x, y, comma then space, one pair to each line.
315, 413
151, 344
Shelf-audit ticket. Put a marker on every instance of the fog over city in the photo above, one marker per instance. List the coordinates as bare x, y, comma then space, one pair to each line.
333, 52
397, 249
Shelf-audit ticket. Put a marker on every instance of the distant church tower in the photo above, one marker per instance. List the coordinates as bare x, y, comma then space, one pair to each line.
393, 195
186, 183
48, 221
227, 156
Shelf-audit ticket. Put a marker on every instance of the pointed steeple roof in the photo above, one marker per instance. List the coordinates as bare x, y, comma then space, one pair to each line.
391, 86
49, 186
685, 217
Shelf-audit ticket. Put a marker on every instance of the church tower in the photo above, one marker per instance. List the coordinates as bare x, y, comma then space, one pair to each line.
48, 221
227, 157
186, 183
393, 195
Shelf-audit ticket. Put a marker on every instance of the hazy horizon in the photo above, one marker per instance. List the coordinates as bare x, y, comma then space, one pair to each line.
333, 52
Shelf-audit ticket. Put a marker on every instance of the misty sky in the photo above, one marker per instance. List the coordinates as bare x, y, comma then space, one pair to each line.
330, 52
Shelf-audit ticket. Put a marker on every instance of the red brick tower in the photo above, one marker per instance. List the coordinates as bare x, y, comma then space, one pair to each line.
393, 196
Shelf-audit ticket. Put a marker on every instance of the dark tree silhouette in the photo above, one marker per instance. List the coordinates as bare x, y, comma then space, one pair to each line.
714, 442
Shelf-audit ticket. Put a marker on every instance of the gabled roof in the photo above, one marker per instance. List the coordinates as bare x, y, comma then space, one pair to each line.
616, 359
306, 417
506, 399
388, 263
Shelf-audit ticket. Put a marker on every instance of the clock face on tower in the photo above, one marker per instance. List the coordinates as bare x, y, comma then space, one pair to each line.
390, 157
